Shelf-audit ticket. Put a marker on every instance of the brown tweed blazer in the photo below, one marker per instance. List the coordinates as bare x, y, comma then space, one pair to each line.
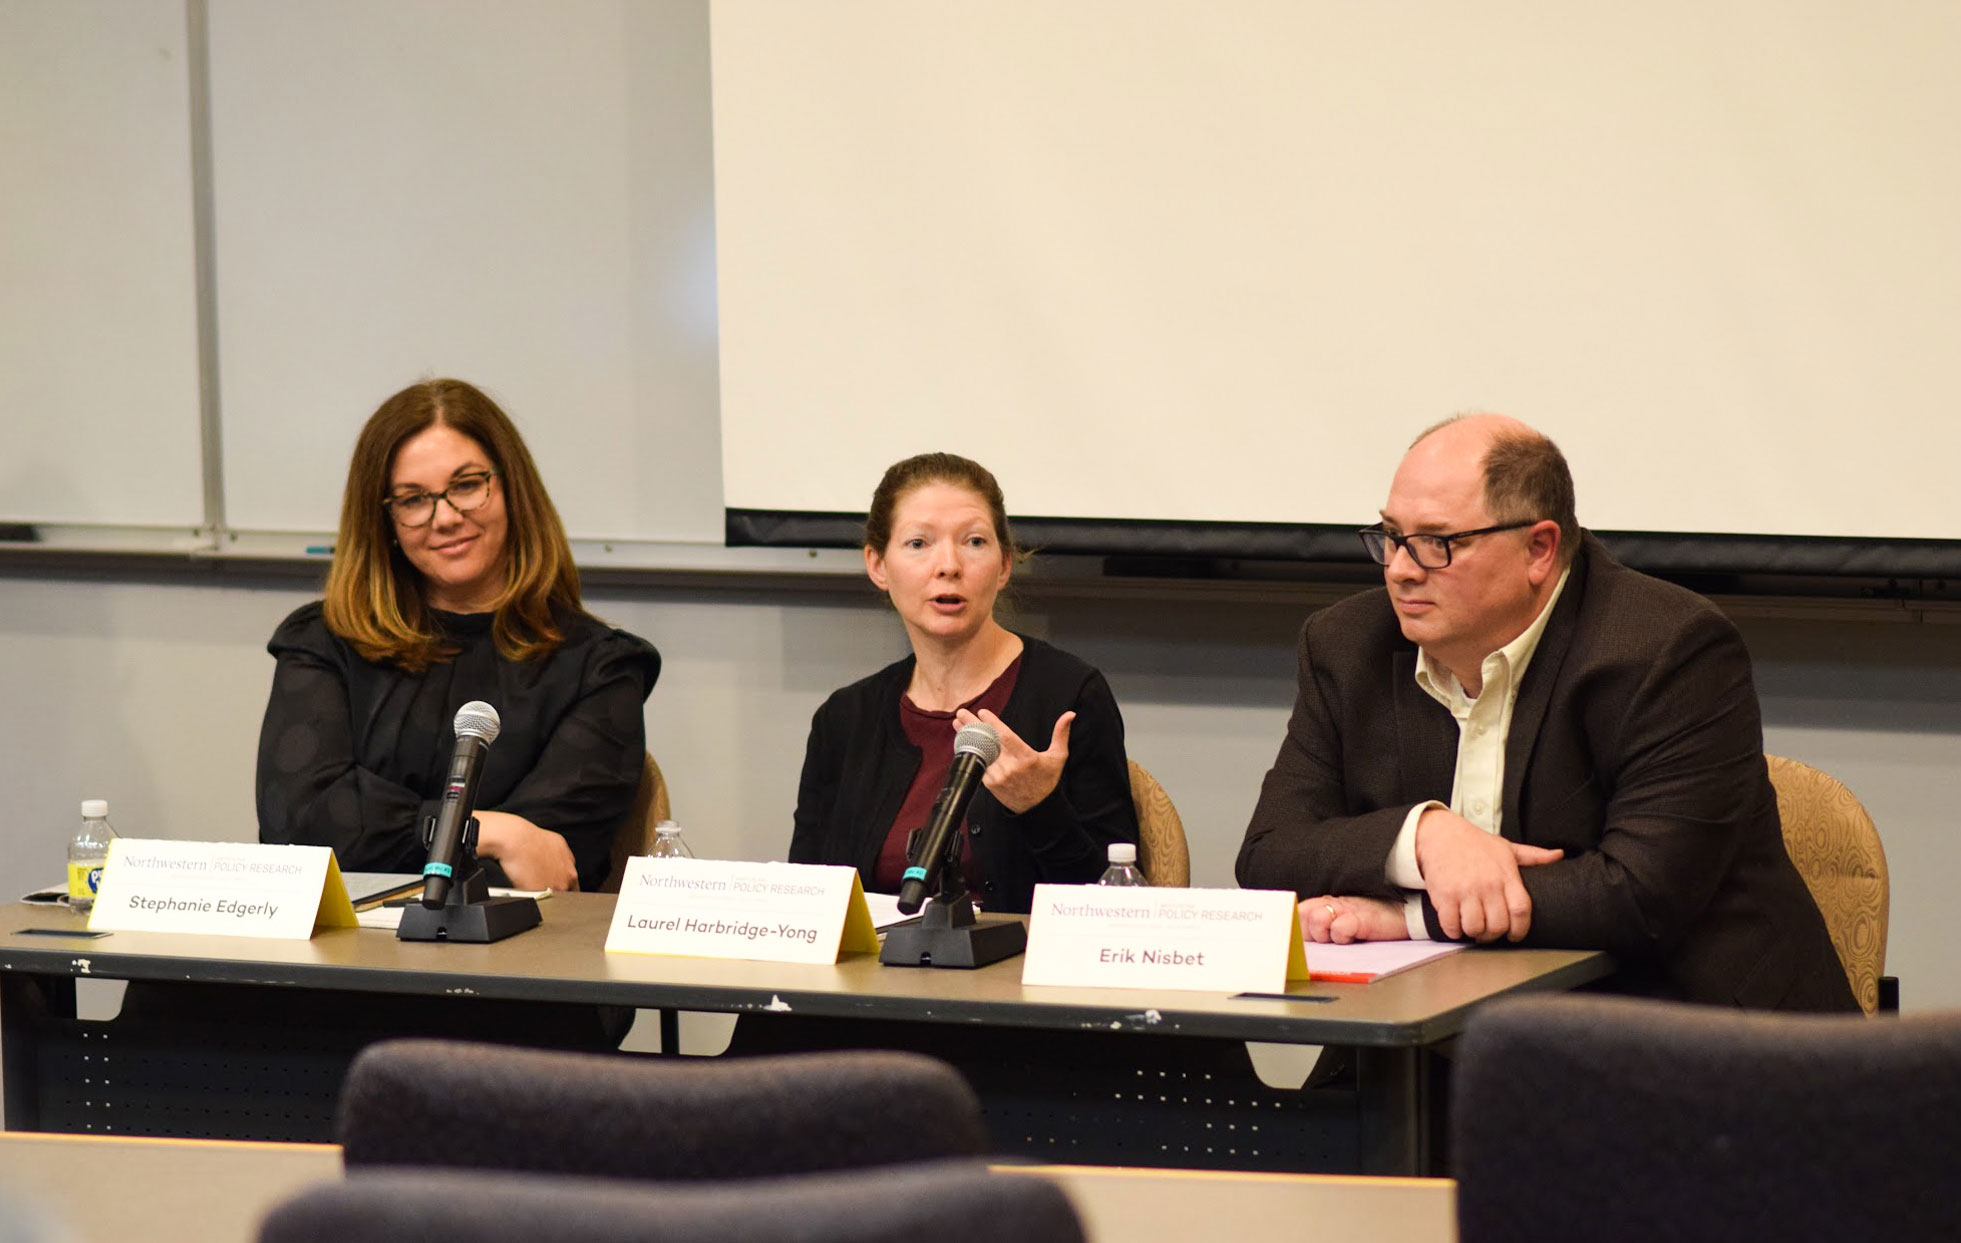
1636, 746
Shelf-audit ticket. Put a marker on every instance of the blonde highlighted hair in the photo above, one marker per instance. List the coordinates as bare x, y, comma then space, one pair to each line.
375, 596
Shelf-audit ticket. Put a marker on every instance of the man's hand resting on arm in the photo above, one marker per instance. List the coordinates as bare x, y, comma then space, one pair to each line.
1473, 879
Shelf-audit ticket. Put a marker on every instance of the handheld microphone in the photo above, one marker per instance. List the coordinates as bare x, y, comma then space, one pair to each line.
476, 728
974, 748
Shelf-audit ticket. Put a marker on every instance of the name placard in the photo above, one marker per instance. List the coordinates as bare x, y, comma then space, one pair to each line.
232, 889
1204, 940
714, 908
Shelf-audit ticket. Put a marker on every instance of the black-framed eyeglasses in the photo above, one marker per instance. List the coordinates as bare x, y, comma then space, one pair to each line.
1432, 552
418, 509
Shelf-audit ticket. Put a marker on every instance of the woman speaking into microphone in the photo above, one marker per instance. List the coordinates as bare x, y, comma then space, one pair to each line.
452, 581
937, 543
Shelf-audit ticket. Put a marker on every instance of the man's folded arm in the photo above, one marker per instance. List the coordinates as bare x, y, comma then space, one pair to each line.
1302, 836
1687, 788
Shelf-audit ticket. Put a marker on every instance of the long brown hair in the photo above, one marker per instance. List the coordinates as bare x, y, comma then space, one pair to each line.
375, 596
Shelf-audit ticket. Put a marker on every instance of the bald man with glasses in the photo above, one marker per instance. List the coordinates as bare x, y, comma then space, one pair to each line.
1518, 739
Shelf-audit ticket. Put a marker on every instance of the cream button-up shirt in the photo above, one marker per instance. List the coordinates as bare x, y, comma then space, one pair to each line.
1483, 724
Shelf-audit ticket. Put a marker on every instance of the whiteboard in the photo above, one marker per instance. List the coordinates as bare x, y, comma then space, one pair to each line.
99, 397
1151, 259
511, 192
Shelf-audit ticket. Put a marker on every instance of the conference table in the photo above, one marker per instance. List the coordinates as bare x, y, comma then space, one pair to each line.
1074, 1075
218, 1191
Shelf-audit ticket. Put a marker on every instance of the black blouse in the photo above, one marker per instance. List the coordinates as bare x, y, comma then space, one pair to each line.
353, 754
858, 765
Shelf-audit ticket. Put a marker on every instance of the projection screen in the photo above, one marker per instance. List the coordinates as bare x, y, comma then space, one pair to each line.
1191, 276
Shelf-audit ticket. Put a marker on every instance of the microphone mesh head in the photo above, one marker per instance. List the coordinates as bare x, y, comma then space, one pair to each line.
478, 719
978, 739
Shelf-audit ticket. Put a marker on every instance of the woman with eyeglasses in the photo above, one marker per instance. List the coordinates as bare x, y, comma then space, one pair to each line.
452, 581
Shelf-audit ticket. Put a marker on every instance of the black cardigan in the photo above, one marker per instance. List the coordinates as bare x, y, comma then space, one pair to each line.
354, 754
858, 765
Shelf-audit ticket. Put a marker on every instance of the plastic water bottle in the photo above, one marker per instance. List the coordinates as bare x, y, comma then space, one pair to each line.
668, 842
87, 851
1123, 866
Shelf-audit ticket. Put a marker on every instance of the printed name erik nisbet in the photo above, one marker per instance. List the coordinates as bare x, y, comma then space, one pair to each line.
1154, 958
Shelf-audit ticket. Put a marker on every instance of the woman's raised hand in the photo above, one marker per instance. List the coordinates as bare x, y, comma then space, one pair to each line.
1021, 776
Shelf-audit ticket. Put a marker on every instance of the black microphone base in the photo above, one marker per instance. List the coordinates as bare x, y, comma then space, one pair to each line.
474, 923
951, 935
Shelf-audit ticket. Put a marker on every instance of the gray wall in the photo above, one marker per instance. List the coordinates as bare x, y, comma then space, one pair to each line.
146, 689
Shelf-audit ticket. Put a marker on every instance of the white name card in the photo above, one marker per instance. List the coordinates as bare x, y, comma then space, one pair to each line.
232, 889
1204, 940
714, 908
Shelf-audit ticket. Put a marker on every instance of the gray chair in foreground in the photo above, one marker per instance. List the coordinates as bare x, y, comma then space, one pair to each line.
428, 1102
1609, 1119
945, 1203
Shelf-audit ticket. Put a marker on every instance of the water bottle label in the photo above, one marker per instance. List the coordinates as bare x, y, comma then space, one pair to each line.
84, 879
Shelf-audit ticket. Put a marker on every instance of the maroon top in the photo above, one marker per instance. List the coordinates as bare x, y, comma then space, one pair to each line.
932, 733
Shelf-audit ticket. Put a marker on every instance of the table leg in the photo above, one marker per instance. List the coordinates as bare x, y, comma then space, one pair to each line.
1397, 1110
